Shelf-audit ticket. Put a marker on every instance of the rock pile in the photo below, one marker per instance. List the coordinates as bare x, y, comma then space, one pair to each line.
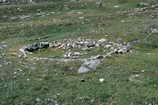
151, 10
68, 44
93, 62
151, 29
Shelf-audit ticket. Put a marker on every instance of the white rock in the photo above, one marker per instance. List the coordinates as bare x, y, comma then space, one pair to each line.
102, 40
81, 17
108, 46
23, 52
122, 21
137, 75
83, 69
116, 6
77, 54
80, 13
88, 65
154, 31
101, 80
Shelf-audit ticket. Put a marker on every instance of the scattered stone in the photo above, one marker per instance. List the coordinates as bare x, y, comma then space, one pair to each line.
20, 70
101, 80
150, 10
72, 55
136, 41
81, 17
122, 50
102, 40
3, 46
154, 31
142, 71
7, 62
93, 62
19, 9
116, 6
90, 45
151, 29
96, 57
34, 47
79, 13
108, 46
135, 78
142, 4
47, 100
24, 16
123, 21
52, 12
50, 100
28, 79
14, 18
99, 3
38, 100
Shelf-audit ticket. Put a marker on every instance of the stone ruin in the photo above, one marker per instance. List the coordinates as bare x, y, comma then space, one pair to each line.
71, 44
16, 1
89, 63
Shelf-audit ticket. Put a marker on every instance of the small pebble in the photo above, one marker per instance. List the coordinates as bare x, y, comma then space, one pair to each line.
101, 80
116, 6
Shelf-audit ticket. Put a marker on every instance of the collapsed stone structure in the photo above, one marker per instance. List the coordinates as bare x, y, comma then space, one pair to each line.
89, 63
16, 1
70, 44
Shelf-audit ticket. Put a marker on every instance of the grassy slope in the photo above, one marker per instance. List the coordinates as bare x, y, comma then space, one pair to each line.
60, 81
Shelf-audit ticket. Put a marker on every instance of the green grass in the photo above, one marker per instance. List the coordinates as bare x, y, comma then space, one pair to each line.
130, 79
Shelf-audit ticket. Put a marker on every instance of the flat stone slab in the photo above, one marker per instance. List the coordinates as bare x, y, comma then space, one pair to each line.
88, 65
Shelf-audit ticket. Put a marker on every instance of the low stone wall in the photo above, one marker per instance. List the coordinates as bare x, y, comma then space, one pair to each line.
16, 1
89, 63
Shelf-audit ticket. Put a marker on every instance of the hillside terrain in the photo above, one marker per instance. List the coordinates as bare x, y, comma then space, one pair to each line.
79, 52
